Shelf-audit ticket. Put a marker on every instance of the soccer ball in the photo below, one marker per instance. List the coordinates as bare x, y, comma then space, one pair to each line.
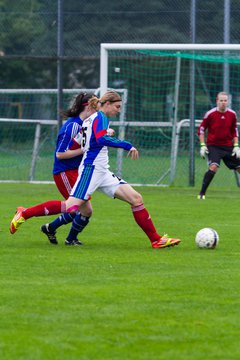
207, 238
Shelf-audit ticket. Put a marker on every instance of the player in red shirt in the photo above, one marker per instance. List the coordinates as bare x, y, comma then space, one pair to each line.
222, 140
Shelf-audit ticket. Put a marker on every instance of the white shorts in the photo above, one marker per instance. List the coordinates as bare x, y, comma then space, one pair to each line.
89, 180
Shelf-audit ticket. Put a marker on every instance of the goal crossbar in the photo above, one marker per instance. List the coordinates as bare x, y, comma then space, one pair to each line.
105, 47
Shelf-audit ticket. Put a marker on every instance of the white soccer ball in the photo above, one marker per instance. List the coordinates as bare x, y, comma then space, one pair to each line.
207, 238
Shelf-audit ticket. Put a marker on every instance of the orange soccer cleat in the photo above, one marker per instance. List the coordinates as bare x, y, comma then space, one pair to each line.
165, 241
17, 220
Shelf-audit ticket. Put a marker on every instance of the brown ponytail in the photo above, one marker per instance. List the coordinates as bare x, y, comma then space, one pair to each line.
78, 105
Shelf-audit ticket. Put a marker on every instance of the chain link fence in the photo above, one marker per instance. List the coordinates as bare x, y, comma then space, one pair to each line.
35, 35
29, 37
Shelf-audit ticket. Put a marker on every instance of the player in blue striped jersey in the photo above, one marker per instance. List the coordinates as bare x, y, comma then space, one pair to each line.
94, 171
67, 158
94, 174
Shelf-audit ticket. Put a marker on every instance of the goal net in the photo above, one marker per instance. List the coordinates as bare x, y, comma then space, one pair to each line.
165, 84
166, 89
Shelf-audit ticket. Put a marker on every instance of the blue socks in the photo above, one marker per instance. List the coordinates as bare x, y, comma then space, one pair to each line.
78, 224
63, 219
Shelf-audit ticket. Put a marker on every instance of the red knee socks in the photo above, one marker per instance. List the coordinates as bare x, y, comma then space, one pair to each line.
144, 220
47, 208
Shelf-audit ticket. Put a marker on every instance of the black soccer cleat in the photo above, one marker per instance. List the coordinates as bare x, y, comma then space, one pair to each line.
75, 242
50, 235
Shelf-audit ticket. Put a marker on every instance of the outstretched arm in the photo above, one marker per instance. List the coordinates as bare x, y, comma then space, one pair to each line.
111, 141
101, 132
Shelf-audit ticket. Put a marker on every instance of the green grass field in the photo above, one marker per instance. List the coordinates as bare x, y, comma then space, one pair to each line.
115, 297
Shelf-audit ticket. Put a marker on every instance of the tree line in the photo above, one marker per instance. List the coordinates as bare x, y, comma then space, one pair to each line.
29, 35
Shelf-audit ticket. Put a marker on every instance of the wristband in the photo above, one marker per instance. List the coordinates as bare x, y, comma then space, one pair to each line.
235, 145
203, 144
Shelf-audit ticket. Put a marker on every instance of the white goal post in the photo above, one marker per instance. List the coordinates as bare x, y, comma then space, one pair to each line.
111, 51
105, 47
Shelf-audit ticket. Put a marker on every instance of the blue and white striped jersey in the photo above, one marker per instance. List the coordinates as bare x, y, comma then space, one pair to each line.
95, 141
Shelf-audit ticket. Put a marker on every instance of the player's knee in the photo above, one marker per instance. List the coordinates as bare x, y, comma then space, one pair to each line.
86, 212
86, 209
137, 199
72, 208
213, 168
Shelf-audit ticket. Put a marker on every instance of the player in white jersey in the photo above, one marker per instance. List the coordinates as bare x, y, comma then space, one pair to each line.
94, 171
94, 174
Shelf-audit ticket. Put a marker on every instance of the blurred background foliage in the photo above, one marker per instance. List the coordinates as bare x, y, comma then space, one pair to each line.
29, 34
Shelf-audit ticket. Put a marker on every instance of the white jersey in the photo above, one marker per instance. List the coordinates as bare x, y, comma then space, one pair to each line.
95, 141
93, 153
93, 171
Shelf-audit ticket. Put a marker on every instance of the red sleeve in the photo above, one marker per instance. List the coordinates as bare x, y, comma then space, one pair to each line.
202, 127
97, 129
